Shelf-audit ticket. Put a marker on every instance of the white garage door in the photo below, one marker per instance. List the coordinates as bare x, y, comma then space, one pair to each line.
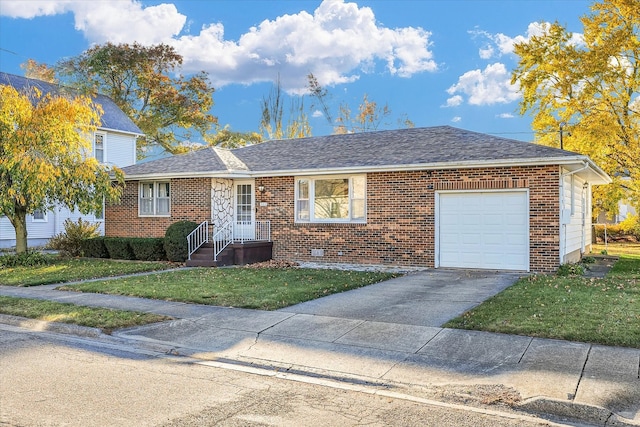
488, 230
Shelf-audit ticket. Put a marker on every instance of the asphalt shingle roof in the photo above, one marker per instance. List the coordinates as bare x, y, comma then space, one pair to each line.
431, 145
438, 145
200, 161
112, 118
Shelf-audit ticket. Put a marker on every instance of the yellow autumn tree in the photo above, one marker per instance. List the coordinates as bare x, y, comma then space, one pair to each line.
45, 147
585, 91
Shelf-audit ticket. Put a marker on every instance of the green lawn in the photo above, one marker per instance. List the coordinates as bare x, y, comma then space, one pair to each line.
103, 318
264, 289
617, 248
604, 311
70, 269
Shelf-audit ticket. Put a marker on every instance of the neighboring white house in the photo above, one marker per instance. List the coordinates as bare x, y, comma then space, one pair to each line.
114, 143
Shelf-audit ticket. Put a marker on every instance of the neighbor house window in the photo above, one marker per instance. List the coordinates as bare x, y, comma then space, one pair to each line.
155, 198
331, 199
98, 147
39, 216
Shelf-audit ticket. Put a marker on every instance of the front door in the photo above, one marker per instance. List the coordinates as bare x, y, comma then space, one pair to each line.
244, 217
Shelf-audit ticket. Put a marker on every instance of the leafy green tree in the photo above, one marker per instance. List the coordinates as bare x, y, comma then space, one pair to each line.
140, 81
44, 146
589, 89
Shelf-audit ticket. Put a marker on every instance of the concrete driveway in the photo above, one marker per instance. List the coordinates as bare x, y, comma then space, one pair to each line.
427, 298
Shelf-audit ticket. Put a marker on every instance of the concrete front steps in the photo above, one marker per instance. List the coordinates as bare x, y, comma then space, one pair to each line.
234, 254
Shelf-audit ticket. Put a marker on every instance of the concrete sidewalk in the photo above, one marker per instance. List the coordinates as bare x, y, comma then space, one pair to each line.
592, 383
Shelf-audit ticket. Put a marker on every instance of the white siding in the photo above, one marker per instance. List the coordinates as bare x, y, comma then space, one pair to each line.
575, 231
120, 150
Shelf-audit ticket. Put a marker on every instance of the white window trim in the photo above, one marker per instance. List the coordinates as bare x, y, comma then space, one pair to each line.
45, 217
104, 145
154, 198
311, 199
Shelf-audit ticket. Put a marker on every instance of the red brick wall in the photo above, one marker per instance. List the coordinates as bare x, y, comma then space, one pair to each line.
401, 219
400, 223
190, 200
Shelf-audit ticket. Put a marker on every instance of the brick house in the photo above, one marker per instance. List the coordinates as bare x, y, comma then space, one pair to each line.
431, 197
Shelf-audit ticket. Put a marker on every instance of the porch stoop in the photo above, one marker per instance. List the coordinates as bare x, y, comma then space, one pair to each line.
234, 254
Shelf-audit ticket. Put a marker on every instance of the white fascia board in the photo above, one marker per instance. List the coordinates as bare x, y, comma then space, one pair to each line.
119, 131
160, 175
575, 160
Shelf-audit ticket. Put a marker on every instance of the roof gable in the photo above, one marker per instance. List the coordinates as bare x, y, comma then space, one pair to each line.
113, 118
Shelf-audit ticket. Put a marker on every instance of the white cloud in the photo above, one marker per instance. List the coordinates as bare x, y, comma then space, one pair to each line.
456, 119
454, 101
337, 43
497, 45
485, 87
505, 116
116, 21
31, 9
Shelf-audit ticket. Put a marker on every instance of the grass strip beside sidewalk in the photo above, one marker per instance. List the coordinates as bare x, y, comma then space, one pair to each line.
61, 270
256, 288
602, 311
103, 318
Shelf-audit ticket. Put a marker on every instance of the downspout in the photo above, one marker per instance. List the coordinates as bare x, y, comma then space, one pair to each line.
563, 226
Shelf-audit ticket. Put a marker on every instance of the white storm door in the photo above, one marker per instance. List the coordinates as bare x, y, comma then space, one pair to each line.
484, 230
244, 212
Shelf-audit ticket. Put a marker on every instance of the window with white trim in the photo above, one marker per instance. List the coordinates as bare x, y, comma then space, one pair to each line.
331, 199
39, 216
99, 146
154, 198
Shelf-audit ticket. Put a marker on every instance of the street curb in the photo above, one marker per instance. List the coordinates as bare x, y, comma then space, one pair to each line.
46, 326
575, 411
541, 406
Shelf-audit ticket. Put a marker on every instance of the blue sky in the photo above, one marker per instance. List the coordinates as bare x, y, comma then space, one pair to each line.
437, 62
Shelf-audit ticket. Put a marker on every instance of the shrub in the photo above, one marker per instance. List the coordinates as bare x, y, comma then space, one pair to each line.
175, 240
69, 242
25, 259
148, 249
95, 248
571, 270
119, 248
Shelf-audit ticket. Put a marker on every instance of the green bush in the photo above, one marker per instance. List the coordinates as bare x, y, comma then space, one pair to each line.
175, 240
25, 259
571, 270
148, 248
119, 248
69, 242
95, 248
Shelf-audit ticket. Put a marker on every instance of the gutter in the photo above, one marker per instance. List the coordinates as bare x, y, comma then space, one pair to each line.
246, 173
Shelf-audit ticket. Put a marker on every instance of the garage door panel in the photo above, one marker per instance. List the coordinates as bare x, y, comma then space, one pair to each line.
484, 230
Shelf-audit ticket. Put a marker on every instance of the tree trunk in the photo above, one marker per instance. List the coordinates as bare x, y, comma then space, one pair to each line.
19, 222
